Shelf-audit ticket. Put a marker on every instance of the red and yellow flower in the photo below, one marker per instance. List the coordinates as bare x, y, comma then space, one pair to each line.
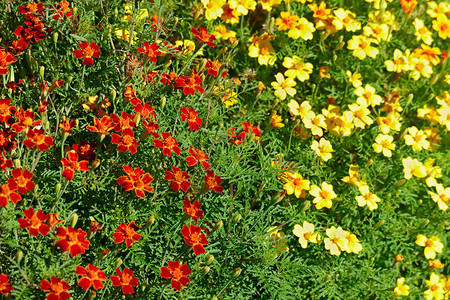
193, 237
56, 288
168, 144
34, 222
125, 280
92, 276
126, 233
72, 165
178, 178
136, 180
88, 51
73, 240
178, 274
193, 209
191, 116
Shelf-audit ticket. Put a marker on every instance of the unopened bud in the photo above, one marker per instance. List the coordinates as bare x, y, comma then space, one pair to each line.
112, 94
41, 71
236, 272
206, 270
431, 97
47, 125
324, 36
137, 118
74, 11
237, 218
434, 79
209, 259
369, 163
175, 21
235, 43
150, 221
409, 98
398, 193
202, 64
57, 188
36, 188
18, 257
73, 220
162, 102
340, 46
92, 295
95, 163
400, 182
167, 64
116, 13
278, 197
16, 163
380, 223
103, 253
118, 262
271, 24
218, 225
69, 79
399, 258
425, 223
306, 206
223, 50
214, 298
55, 37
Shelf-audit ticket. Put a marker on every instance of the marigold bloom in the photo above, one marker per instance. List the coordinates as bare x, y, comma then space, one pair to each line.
178, 274
345, 18
67, 126
6, 111
72, 165
53, 220
25, 120
92, 276
320, 12
284, 86
353, 177
125, 279
316, 123
287, 21
299, 110
126, 142
34, 222
354, 78
361, 47
36, 138
441, 197
306, 233
168, 144
367, 198
223, 33
5, 286
436, 290
84, 150
73, 240
123, 122
353, 244
390, 122
193, 237
87, 52
150, 51
276, 120
323, 196
193, 209
295, 184
417, 139
383, 144
302, 29
432, 245
262, 49
204, 36
191, 116
212, 182
441, 25
127, 233
359, 115
413, 167
190, 84
178, 178
197, 156
22, 181
322, 149
408, 5
136, 180
422, 32
367, 96
7, 191
57, 288
6, 58
336, 240
420, 67
401, 289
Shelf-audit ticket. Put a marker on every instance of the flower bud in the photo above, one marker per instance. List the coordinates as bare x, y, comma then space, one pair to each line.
278, 197
223, 50
73, 220
369, 163
57, 188
236, 218
167, 64
103, 253
55, 37
209, 259
398, 193
202, 64
409, 98
112, 94
236, 272
400, 182
92, 295
150, 221
18, 257
36, 188
214, 298
306, 206
425, 223
16, 163
206, 270
434, 79
137, 118
162, 102
41, 71
271, 24
74, 11
118, 262
399, 258
324, 36
218, 225
235, 43
340, 46
431, 97
95, 163
380, 223
116, 13
69, 79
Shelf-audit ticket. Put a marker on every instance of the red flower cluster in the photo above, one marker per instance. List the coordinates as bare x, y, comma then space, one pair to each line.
63, 11
34, 222
56, 289
126, 233
72, 239
191, 116
193, 237
5, 286
87, 52
248, 129
125, 279
178, 274
178, 179
35, 30
136, 180
204, 36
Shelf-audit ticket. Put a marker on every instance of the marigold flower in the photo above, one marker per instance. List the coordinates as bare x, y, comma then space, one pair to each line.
420, 67
429, 54
127, 233
178, 274
136, 180
87, 52
432, 245
53, 220
193, 237
223, 33
6, 58
92, 276
150, 51
296, 67
67, 126
72, 165
353, 177
359, 115
269, 4
361, 47
126, 142
123, 122
435, 264
417, 139
190, 84
302, 29
422, 32
102, 126
276, 120
193, 209
322, 149
367, 96
390, 122
336, 240
73, 240
168, 144
204, 36
320, 12
262, 49
354, 78
367, 198
441, 25
299, 110
383, 144
314, 122
22, 181
125, 279
178, 179
353, 245
6, 111
36, 138
5, 286
197, 156
57, 288
7, 191
25, 120
413, 167
287, 21
84, 150
306, 233
191, 116
295, 184
214, 68
283, 86
346, 19
323, 196
34, 222
212, 182
436, 290
441, 197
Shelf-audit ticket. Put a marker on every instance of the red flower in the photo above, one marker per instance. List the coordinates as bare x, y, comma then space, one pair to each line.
102, 126
7, 191
193, 237
126, 233
5, 286
168, 79
84, 150
178, 179
6, 58
88, 52
34, 222
212, 182
5, 163
123, 122
126, 142
150, 128
72, 239
7, 140
204, 36
22, 180
192, 118
125, 279
25, 120
168, 144
53, 220
92, 276
193, 209
72, 164
63, 10
136, 180
177, 273
213, 68
197, 156
67, 126
57, 288
150, 51
36, 138
6, 111
190, 84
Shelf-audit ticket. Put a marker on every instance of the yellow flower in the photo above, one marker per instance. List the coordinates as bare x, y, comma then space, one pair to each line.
268, 4
413, 167
361, 47
434, 9
442, 26
433, 172
303, 29
402, 289
420, 67
143, 13
322, 149
223, 33
323, 72
422, 32
400, 62
432, 245
188, 46
353, 244
283, 86
383, 143
347, 18
124, 34
368, 198
230, 15
278, 240
287, 21
213, 8
243, 6
444, 116
305, 234
428, 113
315, 123
436, 290
354, 78
432, 55
367, 96
359, 115
336, 240
295, 184
276, 120
390, 122
441, 197
323, 196
376, 3
296, 67
378, 32
444, 99
353, 177
262, 49
299, 110
436, 264
416, 138
321, 11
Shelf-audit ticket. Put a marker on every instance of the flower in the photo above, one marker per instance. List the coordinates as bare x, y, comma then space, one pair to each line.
191, 116
36, 138
413, 167
306, 233
125, 279
367, 198
67, 126
25, 120
296, 67
417, 139
213, 183
204, 36
5, 286
178, 178
126, 142
353, 177
190, 84
6, 58
441, 197
150, 51
278, 240
283, 86
323, 196
102, 126
197, 156
53, 220
34, 222
408, 5
276, 120
441, 25
302, 29
367, 96
7, 191
262, 49
295, 184
126, 233
287, 21
336, 240
193, 210
299, 110
314, 122
168, 145
432, 245
361, 47
436, 290
57, 288
322, 149
383, 143
178, 274
88, 52
72, 164
193, 237
353, 244
92, 276
422, 32
22, 181
354, 78
72, 239
136, 180
401, 289
359, 115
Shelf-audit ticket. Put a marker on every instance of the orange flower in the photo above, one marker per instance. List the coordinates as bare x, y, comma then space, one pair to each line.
72, 239
178, 274
87, 52
190, 84
204, 36
7, 140
320, 12
150, 51
408, 5
126, 142
57, 288
72, 164
136, 180
22, 180
5, 163
127, 233
5, 286
197, 156
168, 145
193, 210
6, 58
34, 222
7, 191
53, 220
191, 116
123, 122
36, 138
66, 125
6, 111
25, 120
178, 179
102, 126
212, 182
125, 279
150, 128
193, 237
213, 68
91, 276
84, 150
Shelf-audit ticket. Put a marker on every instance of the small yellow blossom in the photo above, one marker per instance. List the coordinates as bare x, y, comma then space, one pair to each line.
276, 120
262, 49
213, 8
400, 62
299, 110
420, 67
368, 198
323, 196
359, 115
230, 15
314, 122
353, 177
432, 55
295, 184
322, 149
435, 264
436, 290
367, 96
378, 32
390, 122
296, 67
283, 86
320, 12
416, 138
441, 197
354, 78
223, 33
353, 245
432, 245
435, 9
422, 32
278, 240
433, 172
306, 233
442, 26
303, 29
361, 47
444, 116
243, 6
347, 18
336, 241
269, 4
383, 144
413, 167
401, 289
287, 21
323, 72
